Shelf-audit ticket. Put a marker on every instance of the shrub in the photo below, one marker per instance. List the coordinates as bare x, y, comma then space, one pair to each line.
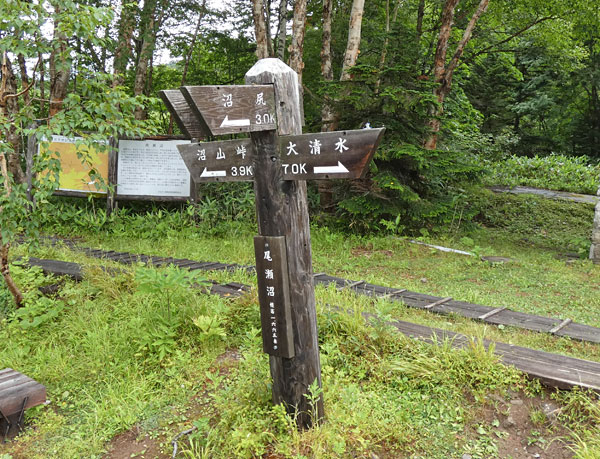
555, 172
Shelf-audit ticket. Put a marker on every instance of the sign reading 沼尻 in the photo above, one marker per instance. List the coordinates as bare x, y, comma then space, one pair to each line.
326, 155
279, 159
233, 109
151, 168
274, 295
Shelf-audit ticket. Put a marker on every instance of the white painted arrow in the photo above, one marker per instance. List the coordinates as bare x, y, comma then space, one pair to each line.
339, 169
207, 173
234, 123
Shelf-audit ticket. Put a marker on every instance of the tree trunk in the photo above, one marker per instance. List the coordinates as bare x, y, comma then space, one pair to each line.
281, 30
353, 45
5, 245
9, 110
260, 28
443, 74
351, 54
60, 67
327, 114
148, 42
297, 47
124, 42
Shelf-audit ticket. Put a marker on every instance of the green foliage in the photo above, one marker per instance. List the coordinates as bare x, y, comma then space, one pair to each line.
410, 188
544, 222
577, 174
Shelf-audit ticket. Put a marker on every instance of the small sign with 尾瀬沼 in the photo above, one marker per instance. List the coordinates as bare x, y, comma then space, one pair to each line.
273, 295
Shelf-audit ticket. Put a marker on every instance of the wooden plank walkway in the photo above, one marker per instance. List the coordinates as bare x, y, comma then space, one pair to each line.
551, 369
491, 315
487, 314
550, 194
75, 272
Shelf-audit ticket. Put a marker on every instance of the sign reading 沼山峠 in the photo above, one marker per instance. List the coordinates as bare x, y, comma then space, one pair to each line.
326, 155
233, 109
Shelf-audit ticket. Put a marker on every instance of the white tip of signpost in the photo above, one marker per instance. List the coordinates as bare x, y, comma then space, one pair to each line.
270, 65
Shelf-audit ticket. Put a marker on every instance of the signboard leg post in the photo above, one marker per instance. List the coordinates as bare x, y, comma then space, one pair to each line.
282, 210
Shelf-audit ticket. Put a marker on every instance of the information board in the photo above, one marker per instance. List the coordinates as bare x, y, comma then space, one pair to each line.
75, 174
151, 168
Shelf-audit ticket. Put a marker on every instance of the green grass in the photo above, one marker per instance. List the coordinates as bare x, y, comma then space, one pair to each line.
113, 355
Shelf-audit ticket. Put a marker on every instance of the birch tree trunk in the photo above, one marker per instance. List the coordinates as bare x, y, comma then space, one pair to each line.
351, 54
260, 29
443, 73
296, 49
354, 34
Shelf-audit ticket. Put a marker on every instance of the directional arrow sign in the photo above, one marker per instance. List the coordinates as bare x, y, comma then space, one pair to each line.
326, 155
233, 109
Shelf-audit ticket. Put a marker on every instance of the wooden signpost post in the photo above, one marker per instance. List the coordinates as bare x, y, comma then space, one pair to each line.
279, 159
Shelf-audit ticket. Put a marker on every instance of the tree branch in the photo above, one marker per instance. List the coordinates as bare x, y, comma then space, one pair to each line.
509, 38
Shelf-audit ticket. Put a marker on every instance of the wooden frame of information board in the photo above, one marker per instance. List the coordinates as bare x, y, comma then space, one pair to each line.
113, 195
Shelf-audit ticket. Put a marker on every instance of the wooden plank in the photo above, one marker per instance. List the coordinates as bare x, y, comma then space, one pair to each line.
328, 155
351, 285
233, 109
552, 369
491, 313
113, 159
58, 268
560, 326
182, 113
282, 210
14, 390
437, 303
274, 296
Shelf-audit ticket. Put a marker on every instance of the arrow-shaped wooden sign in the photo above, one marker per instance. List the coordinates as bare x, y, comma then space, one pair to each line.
184, 116
325, 155
233, 109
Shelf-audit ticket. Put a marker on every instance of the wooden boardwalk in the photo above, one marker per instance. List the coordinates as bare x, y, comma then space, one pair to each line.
554, 370
491, 315
550, 194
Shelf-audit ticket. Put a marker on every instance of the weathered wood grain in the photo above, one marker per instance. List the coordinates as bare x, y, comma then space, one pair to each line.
14, 387
282, 210
274, 295
232, 109
183, 114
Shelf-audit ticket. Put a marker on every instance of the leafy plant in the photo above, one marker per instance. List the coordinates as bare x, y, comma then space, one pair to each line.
38, 312
165, 283
210, 327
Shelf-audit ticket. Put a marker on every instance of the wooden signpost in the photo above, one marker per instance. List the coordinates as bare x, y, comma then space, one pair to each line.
279, 159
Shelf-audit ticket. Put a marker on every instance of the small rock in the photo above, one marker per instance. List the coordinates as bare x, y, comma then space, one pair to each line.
509, 422
424, 280
517, 402
466, 456
550, 410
